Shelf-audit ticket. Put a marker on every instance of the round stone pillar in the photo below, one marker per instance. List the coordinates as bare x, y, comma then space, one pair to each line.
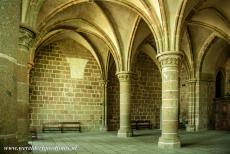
26, 36
125, 99
105, 114
170, 62
9, 32
191, 106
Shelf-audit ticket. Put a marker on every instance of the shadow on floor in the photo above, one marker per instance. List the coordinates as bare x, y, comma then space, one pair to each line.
201, 139
149, 132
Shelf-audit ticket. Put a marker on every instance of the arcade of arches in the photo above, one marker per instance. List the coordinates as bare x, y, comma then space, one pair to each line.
106, 63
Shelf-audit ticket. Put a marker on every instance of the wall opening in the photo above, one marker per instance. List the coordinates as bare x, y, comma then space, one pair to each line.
219, 85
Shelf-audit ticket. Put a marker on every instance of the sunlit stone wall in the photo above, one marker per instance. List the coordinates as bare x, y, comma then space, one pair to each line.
65, 85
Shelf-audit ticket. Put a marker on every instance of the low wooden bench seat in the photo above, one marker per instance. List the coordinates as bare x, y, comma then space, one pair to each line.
34, 134
138, 124
51, 126
61, 126
71, 126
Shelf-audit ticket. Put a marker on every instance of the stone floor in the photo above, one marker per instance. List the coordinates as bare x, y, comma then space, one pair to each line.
143, 142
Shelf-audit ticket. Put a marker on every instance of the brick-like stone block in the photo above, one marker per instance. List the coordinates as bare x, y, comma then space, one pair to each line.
146, 94
56, 96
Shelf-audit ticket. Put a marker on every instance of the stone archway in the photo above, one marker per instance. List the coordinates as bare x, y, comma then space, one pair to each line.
146, 91
65, 85
145, 97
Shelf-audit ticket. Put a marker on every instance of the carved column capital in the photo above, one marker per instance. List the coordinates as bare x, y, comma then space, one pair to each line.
125, 76
104, 82
170, 58
26, 36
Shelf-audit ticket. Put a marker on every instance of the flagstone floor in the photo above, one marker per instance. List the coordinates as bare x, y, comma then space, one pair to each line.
143, 142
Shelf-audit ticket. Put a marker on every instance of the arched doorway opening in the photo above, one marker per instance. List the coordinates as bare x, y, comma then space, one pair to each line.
219, 85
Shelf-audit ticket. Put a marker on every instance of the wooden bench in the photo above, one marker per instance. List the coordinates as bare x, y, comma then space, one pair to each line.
138, 124
51, 126
34, 134
70, 126
61, 126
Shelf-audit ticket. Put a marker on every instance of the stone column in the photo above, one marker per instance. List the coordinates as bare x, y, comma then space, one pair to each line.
202, 103
191, 107
125, 98
160, 118
104, 116
25, 41
9, 32
170, 62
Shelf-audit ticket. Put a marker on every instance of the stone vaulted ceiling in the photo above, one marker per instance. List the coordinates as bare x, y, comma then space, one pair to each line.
123, 28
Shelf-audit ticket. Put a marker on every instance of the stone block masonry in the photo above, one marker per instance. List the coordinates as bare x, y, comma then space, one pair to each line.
184, 95
9, 33
145, 94
60, 91
146, 91
227, 70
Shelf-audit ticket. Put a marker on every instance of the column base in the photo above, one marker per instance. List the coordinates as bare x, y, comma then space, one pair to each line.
190, 128
22, 143
201, 129
6, 141
124, 132
104, 129
169, 143
23, 132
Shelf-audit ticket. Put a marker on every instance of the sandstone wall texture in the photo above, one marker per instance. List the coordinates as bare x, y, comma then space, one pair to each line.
113, 100
146, 94
184, 95
206, 94
61, 92
227, 70
9, 33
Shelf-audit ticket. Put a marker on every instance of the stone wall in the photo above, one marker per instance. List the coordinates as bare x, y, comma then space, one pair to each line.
65, 85
227, 70
113, 100
184, 95
9, 33
205, 94
146, 94
211, 109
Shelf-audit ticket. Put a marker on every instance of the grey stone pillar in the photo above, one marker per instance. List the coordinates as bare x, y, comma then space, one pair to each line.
9, 30
160, 118
191, 107
105, 106
26, 36
170, 62
200, 105
125, 98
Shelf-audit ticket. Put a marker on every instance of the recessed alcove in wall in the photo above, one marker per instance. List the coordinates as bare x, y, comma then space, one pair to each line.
77, 67
219, 85
65, 86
